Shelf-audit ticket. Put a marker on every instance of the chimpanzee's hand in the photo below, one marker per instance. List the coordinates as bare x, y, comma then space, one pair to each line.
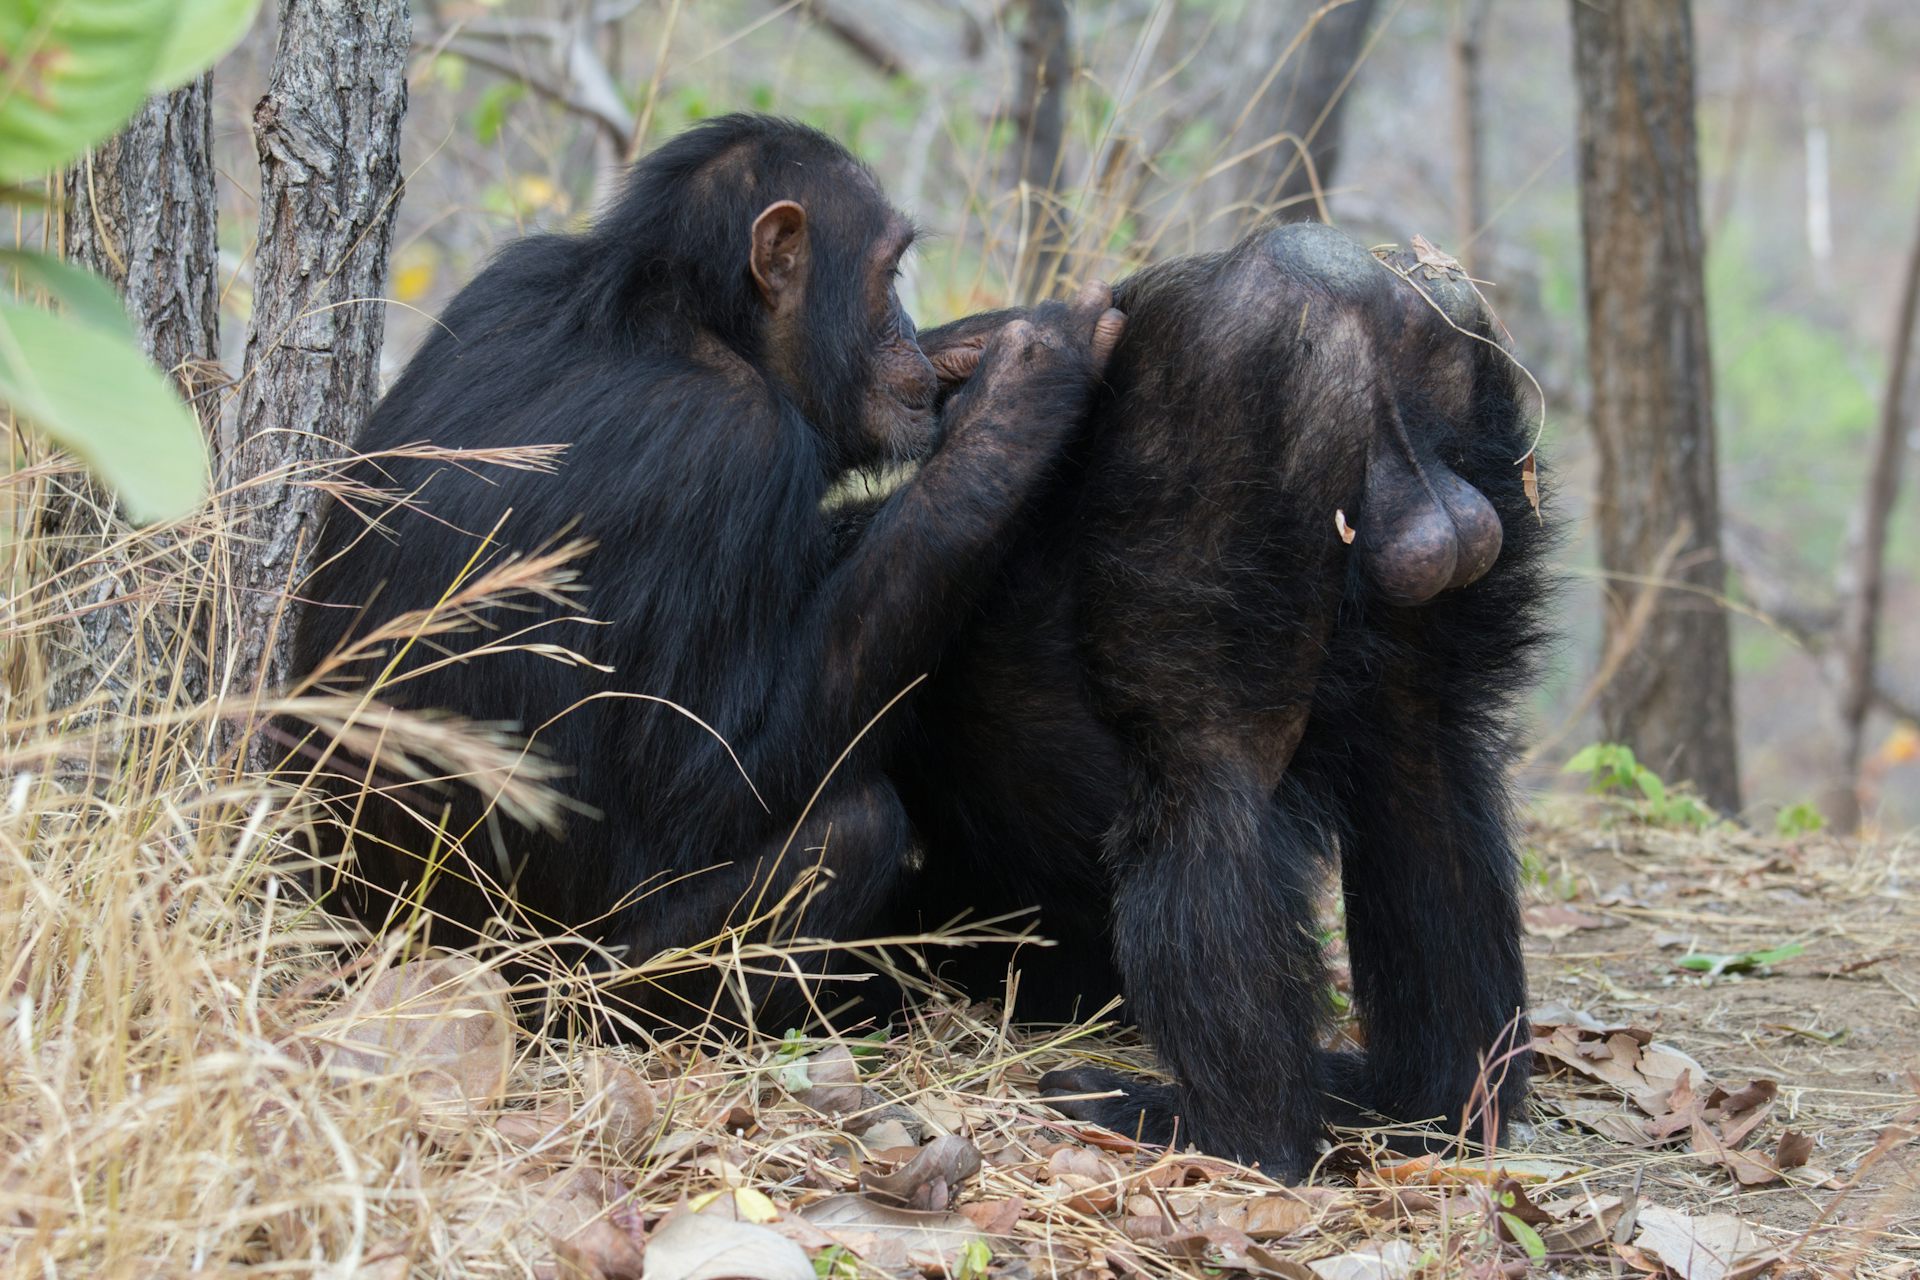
1037, 371
954, 349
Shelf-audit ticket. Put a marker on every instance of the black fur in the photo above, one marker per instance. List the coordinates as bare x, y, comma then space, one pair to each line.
1187, 700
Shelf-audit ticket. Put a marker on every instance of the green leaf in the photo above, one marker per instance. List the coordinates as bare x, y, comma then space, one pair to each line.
95, 394
203, 31
975, 1258
1740, 962
1801, 819
86, 297
1525, 1236
71, 72
1651, 787
490, 113
1585, 760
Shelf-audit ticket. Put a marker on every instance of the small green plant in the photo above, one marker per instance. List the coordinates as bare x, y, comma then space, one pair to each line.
836, 1262
1520, 1229
1559, 885
1801, 819
1714, 965
1611, 767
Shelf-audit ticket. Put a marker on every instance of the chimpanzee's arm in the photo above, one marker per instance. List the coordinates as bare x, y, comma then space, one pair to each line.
879, 618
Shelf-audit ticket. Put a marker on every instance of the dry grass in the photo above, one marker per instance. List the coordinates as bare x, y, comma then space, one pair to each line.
186, 1082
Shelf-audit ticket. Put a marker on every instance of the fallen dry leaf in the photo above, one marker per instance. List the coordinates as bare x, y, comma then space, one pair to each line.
835, 1087
891, 1238
442, 1022
1272, 1217
1393, 1260
996, 1217
1217, 1248
694, 1246
1428, 254
1438, 1171
573, 1214
1627, 1058
928, 1181
1715, 1247
1606, 1118
1554, 920
1581, 1223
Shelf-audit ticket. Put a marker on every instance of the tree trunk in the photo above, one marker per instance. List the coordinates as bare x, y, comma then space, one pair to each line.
328, 136
1469, 183
1860, 599
140, 210
1287, 101
1672, 700
1046, 68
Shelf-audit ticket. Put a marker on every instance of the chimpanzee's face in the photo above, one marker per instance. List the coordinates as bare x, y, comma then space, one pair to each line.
898, 420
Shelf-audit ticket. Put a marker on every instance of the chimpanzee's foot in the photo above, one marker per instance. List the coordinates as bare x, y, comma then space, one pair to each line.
1147, 1112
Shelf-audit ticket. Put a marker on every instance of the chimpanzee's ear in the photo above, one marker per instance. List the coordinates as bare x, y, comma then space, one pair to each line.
779, 257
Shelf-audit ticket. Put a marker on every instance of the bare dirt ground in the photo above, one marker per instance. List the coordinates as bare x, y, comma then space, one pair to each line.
1689, 1124
1836, 1027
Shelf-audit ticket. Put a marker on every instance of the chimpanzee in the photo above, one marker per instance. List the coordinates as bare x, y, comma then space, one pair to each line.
1275, 610
724, 344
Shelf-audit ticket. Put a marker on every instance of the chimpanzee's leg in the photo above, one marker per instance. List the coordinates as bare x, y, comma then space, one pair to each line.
1216, 937
1432, 918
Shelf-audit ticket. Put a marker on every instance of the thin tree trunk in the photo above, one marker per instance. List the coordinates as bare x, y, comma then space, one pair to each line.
328, 136
1652, 383
1039, 115
140, 210
1469, 183
1855, 638
1288, 101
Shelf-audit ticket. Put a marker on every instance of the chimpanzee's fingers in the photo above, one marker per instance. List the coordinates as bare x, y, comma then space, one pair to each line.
954, 365
1094, 297
1106, 336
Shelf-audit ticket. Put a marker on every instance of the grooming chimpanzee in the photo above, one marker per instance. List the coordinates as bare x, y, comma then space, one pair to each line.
724, 344
1274, 612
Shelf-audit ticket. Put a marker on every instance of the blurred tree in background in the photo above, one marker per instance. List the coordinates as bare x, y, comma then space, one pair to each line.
1657, 497
1043, 142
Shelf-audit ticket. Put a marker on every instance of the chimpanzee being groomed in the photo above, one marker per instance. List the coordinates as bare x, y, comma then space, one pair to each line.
1273, 613
1257, 603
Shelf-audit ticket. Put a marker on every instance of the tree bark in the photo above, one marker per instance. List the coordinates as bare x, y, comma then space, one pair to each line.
1039, 117
328, 136
141, 211
1288, 99
1652, 384
1856, 636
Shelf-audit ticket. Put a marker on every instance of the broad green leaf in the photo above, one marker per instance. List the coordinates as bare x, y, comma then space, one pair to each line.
96, 394
1585, 760
73, 71
203, 31
1525, 1236
86, 297
1740, 962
